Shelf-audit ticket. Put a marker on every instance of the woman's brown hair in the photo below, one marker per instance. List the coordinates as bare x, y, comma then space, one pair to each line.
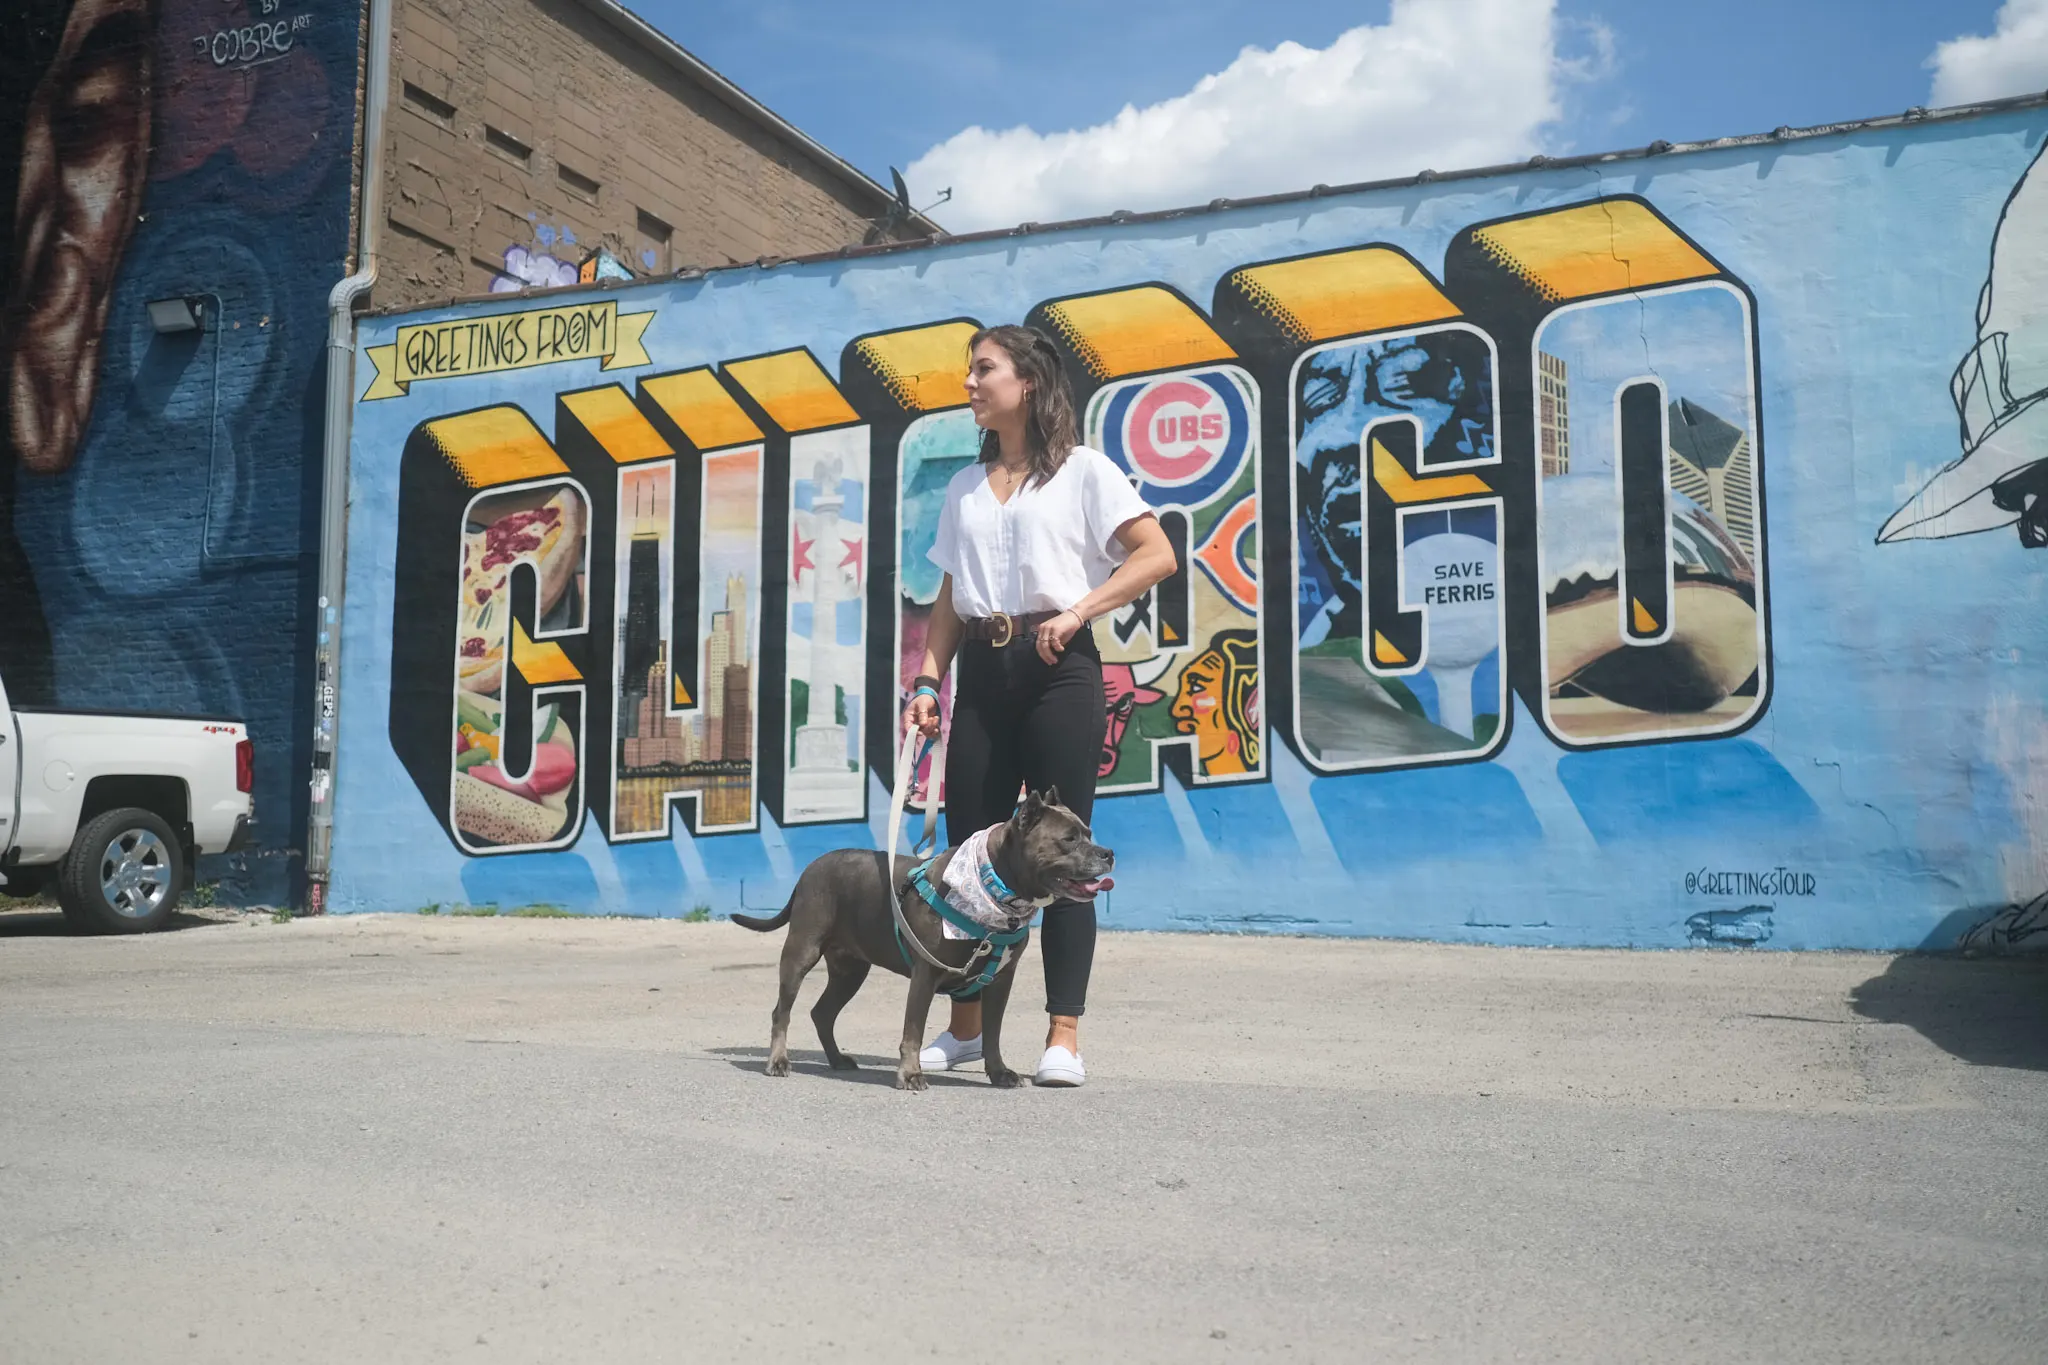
1050, 431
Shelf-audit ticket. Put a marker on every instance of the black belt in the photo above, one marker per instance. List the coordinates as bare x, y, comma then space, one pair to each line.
1001, 628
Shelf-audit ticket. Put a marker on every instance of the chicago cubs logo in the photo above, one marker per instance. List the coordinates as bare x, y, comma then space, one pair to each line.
1187, 433
1175, 432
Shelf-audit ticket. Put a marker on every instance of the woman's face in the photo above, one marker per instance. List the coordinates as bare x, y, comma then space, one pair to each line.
995, 392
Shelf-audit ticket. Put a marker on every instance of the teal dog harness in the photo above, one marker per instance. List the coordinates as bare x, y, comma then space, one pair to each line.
993, 947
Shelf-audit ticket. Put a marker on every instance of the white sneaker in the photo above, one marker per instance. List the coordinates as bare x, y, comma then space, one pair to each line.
948, 1053
1060, 1067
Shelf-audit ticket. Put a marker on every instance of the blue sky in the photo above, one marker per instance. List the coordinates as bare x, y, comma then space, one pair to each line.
888, 84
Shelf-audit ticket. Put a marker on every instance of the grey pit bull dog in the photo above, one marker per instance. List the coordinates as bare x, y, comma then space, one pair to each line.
840, 911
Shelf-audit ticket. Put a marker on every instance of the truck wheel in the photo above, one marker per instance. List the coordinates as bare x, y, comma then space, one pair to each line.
123, 874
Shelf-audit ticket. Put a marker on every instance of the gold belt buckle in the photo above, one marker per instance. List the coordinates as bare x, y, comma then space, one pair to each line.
1009, 630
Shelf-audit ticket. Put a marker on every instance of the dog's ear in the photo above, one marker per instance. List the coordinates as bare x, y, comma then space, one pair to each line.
1052, 796
1030, 808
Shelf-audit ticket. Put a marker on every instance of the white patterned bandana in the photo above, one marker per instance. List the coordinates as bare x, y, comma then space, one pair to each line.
968, 889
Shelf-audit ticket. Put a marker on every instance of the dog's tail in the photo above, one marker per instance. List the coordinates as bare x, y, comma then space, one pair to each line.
762, 926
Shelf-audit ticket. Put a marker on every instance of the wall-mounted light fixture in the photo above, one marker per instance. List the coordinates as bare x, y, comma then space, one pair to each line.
176, 315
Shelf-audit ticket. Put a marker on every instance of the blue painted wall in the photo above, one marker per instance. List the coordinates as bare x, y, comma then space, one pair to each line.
1588, 556
159, 494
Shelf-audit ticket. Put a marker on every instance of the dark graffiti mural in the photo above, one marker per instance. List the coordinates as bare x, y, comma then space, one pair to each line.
156, 519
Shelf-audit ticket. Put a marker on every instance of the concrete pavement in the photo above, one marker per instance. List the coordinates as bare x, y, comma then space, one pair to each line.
404, 1138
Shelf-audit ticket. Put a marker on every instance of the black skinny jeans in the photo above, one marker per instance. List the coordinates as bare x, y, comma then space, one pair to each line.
1017, 719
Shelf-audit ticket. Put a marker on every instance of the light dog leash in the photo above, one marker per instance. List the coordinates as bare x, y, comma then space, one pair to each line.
907, 760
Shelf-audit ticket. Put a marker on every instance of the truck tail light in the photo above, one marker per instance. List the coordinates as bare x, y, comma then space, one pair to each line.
245, 765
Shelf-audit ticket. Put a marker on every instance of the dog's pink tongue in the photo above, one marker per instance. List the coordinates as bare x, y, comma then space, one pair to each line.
1100, 884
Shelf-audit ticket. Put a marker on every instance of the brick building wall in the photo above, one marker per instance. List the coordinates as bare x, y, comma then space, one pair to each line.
524, 134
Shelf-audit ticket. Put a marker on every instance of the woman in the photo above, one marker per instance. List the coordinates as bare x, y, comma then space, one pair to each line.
1036, 540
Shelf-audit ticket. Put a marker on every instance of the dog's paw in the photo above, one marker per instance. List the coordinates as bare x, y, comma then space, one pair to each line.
778, 1066
844, 1063
1002, 1078
914, 1081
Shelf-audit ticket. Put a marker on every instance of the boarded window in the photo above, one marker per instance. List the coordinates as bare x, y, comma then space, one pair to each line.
577, 183
656, 238
429, 106
506, 145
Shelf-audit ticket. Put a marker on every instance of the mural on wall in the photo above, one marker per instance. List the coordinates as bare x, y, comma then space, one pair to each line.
1659, 630
1397, 618
816, 592
1161, 398
688, 648
2001, 477
169, 478
526, 268
908, 385
2017, 926
932, 451
1476, 574
553, 260
1401, 499
498, 539
1652, 620
2000, 391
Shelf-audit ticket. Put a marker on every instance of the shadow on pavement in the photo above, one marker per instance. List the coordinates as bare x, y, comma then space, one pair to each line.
1985, 1011
40, 921
873, 1070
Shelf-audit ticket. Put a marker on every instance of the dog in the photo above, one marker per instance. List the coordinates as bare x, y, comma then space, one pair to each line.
840, 911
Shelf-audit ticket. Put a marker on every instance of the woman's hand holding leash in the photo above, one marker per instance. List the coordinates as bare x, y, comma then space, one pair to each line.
1054, 634
922, 714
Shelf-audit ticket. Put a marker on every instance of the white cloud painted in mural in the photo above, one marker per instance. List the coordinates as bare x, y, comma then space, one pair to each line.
2011, 60
1443, 84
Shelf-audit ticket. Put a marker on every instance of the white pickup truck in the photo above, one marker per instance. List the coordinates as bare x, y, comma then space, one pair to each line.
110, 809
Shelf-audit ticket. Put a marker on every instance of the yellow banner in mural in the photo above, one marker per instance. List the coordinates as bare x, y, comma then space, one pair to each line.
508, 341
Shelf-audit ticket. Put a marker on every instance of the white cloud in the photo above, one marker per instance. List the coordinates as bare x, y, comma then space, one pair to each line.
2013, 60
1443, 84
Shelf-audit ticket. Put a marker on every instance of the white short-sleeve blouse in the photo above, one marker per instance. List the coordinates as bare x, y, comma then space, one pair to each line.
1046, 548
